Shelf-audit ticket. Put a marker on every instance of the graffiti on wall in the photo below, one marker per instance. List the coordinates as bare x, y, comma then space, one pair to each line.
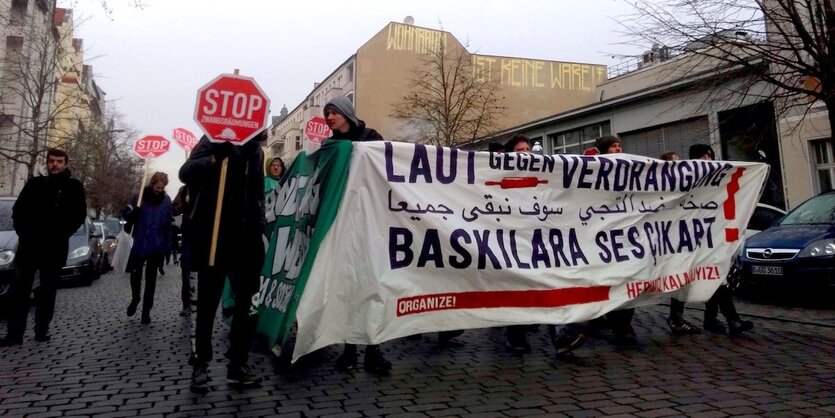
415, 39
519, 72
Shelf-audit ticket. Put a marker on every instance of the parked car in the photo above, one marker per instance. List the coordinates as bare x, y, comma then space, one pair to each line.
8, 248
84, 255
797, 252
108, 229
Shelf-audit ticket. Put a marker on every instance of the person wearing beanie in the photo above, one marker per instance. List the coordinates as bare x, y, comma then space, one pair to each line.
608, 144
275, 169
342, 120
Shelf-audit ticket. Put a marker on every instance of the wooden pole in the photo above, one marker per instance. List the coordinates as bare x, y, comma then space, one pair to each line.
216, 227
142, 185
221, 188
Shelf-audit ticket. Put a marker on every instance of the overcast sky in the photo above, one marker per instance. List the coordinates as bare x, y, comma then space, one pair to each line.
151, 61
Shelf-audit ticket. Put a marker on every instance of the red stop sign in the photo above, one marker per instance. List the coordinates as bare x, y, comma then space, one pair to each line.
317, 129
185, 138
231, 108
151, 146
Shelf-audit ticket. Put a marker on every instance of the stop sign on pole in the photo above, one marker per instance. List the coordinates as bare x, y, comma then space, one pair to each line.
151, 146
317, 129
231, 108
185, 138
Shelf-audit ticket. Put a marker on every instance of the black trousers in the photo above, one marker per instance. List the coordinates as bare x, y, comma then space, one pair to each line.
44, 296
152, 264
210, 281
676, 309
721, 300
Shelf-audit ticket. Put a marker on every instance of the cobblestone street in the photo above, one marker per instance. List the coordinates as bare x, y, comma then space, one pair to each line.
99, 362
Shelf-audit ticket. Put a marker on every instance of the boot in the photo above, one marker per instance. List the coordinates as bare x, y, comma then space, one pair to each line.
375, 363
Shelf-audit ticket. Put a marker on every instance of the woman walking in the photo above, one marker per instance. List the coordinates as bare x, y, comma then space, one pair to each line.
151, 226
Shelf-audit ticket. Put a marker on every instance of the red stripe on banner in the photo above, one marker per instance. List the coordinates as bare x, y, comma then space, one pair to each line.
551, 298
732, 234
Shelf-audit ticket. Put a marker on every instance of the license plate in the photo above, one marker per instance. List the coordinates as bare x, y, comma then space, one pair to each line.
767, 270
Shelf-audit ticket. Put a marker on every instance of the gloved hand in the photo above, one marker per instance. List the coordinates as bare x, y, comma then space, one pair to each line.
225, 150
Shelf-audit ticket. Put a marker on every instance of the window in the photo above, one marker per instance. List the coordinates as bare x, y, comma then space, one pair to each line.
18, 15
298, 142
350, 97
824, 165
350, 72
676, 137
578, 140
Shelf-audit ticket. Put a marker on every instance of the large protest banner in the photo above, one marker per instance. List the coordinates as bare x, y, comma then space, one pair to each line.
297, 218
428, 239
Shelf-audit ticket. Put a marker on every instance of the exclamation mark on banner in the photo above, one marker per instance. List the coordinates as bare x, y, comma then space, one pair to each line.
732, 234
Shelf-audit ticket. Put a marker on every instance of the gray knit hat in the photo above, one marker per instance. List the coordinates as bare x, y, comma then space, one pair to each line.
343, 106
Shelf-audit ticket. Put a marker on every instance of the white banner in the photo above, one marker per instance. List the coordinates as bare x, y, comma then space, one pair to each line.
431, 239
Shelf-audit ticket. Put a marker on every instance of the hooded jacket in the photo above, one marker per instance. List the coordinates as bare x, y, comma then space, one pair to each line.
242, 219
48, 210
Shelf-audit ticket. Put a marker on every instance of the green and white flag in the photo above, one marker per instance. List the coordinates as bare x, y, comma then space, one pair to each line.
391, 239
299, 212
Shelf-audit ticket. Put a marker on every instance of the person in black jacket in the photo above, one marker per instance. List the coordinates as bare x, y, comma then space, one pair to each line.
342, 120
47, 212
240, 248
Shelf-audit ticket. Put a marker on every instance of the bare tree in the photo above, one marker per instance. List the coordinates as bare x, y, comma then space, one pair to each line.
34, 67
786, 45
102, 159
448, 103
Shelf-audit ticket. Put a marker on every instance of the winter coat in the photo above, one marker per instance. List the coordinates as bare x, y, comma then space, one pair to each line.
152, 227
48, 210
242, 221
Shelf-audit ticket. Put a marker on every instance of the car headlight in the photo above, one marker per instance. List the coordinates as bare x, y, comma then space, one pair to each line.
79, 252
820, 248
6, 257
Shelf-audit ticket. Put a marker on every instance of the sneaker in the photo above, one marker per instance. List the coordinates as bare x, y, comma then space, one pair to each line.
375, 363
185, 312
42, 337
242, 376
146, 319
713, 325
739, 326
200, 379
682, 327
567, 343
8, 341
346, 362
132, 308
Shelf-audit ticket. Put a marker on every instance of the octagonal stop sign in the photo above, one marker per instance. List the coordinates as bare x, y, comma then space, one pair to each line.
231, 108
151, 146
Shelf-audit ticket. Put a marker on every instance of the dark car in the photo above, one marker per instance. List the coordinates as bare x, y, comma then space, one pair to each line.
84, 255
8, 248
797, 252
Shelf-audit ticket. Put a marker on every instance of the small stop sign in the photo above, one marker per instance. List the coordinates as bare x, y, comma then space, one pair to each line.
317, 129
151, 146
185, 138
231, 108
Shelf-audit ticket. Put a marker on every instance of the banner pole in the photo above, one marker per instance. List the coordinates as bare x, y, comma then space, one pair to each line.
142, 185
